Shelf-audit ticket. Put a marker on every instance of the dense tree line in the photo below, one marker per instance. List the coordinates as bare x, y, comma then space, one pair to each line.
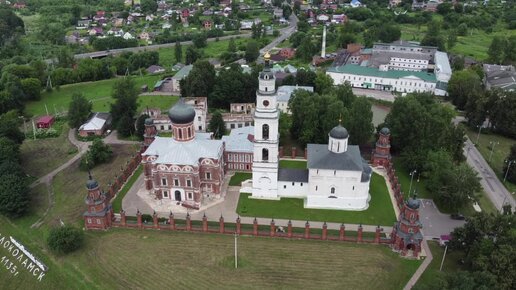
123, 111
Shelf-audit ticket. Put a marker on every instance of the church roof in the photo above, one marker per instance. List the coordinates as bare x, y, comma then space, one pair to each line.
239, 141
293, 175
339, 132
319, 157
170, 151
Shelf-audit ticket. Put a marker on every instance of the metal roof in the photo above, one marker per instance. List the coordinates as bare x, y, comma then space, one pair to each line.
319, 157
238, 140
390, 74
170, 151
293, 175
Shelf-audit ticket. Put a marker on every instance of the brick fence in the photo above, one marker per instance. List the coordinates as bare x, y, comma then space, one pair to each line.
254, 229
395, 184
124, 174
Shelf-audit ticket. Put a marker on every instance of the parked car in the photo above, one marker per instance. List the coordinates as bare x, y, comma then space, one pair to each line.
457, 216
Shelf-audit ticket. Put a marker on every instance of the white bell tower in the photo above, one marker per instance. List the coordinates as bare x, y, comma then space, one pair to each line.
266, 136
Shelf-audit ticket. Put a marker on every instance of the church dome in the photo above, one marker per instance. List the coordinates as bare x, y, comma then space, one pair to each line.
413, 203
181, 113
91, 184
149, 121
339, 132
385, 131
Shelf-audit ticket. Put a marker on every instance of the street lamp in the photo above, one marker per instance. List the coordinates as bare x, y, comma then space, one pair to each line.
411, 178
509, 163
478, 135
492, 148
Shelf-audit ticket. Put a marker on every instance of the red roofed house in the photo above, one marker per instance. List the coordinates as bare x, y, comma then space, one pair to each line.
45, 121
288, 52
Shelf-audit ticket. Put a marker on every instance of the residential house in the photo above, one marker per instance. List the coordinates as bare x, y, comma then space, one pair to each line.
500, 77
117, 32
355, 4
155, 69
288, 52
339, 18
96, 125
83, 24
96, 31
128, 36
207, 24
119, 22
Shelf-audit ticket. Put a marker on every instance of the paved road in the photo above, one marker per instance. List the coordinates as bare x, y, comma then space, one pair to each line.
284, 34
494, 188
434, 222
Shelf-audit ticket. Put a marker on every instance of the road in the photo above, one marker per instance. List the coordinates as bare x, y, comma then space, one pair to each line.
284, 34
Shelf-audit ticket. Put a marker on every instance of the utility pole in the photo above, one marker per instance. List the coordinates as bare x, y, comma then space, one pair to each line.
492, 149
509, 163
478, 135
33, 129
46, 109
236, 251
411, 178
444, 256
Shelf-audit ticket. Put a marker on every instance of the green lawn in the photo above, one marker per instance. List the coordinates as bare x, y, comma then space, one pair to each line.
451, 265
292, 164
99, 93
117, 202
41, 156
380, 211
237, 179
500, 151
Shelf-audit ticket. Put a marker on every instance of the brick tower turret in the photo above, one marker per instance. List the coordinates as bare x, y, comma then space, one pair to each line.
149, 134
382, 153
406, 235
100, 213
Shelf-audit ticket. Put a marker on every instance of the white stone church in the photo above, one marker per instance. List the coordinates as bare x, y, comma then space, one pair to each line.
337, 177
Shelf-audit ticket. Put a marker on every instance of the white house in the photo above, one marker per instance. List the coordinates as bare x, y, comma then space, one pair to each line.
128, 36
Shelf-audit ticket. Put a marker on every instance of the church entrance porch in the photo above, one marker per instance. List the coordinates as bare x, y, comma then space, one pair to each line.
177, 194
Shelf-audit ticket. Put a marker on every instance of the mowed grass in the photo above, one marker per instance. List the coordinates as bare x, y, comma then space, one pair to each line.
380, 211
293, 164
237, 179
99, 93
117, 202
451, 265
70, 186
41, 156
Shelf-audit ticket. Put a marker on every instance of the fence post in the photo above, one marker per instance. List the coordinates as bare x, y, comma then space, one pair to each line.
204, 223
289, 229
188, 222
377, 234
172, 221
273, 228
155, 219
139, 218
221, 224
342, 232
238, 226
293, 153
359, 235
324, 231
122, 218
255, 227
307, 230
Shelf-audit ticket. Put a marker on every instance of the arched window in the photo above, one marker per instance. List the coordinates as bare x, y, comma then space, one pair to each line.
189, 132
332, 190
265, 154
180, 131
265, 131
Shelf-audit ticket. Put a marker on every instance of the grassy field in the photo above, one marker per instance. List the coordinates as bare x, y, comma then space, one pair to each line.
131, 259
99, 93
41, 156
451, 265
500, 152
292, 164
380, 211
117, 203
237, 179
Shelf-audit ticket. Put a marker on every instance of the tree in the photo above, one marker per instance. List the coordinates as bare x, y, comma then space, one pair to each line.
360, 121
97, 153
287, 11
496, 50
140, 125
14, 195
433, 36
233, 86
31, 88
510, 165
65, 239
178, 51
200, 80
10, 25
9, 127
232, 46
502, 112
306, 49
252, 51
123, 110
323, 83
217, 125
148, 6
462, 85
78, 110
9, 150
199, 40
461, 185
192, 55
389, 33
452, 39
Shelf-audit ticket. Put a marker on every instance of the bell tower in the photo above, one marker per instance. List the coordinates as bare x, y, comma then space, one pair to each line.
266, 136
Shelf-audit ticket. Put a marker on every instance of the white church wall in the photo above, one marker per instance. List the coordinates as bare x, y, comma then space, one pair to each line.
324, 202
292, 189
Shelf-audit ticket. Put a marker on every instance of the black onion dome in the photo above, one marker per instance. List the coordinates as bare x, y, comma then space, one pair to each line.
91, 184
413, 203
181, 113
385, 131
149, 121
339, 132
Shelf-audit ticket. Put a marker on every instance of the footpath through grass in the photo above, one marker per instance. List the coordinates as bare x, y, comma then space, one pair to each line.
99, 93
380, 211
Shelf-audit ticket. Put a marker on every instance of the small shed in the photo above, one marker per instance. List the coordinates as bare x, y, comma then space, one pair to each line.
45, 121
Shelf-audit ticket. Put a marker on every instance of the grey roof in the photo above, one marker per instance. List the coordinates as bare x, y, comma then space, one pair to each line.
503, 77
413, 203
366, 173
442, 63
149, 121
238, 140
170, 151
293, 175
181, 113
319, 157
339, 132
285, 92
183, 72
91, 183
385, 131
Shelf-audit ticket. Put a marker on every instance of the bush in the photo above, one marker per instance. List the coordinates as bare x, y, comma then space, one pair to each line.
65, 239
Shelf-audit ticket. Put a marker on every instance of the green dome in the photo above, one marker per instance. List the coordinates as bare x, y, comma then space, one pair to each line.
339, 132
181, 113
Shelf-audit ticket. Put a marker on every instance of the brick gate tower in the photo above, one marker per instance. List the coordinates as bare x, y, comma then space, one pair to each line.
382, 153
406, 235
99, 214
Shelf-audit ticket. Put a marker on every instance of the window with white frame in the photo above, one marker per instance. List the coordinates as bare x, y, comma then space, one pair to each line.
89, 221
163, 181
98, 221
188, 183
165, 194
176, 182
190, 195
208, 175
